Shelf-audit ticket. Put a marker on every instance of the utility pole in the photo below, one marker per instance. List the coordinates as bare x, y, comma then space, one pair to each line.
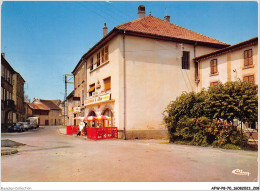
65, 96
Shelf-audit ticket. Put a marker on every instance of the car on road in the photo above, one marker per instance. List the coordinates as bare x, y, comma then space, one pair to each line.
25, 125
16, 128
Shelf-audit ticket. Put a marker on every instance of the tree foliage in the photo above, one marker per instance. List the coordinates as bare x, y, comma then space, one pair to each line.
221, 103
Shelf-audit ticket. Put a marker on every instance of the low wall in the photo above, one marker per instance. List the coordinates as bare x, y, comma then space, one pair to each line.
143, 134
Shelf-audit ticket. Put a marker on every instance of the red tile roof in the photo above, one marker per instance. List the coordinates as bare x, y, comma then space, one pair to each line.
50, 104
155, 26
38, 106
240, 45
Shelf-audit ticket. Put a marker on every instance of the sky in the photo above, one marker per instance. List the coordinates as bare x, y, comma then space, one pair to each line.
43, 41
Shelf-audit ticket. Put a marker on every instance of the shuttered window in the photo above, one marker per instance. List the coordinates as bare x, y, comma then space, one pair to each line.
213, 66
104, 54
213, 83
98, 59
107, 83
250, 79
185, 60
248, 57
91, 64
91, 89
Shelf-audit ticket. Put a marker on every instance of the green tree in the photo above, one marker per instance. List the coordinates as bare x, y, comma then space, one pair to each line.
232, 100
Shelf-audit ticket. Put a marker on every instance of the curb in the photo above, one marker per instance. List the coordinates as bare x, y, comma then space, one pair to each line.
8, 151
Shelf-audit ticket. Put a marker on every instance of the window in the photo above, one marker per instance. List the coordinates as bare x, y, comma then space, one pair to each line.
91, 89
213, 83
98, 59
82, 97
248, 58
104, 54
2, 93
8, 76
3, 71
185, 60
78, 75
214, 66
107, 83
196, 71
248, 79
91, 63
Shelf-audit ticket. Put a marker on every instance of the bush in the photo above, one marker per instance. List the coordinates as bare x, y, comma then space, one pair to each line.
205, 118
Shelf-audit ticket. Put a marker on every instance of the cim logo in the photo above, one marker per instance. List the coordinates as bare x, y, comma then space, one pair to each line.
240, 172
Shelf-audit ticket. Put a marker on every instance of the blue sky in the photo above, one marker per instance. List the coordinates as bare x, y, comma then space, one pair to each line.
45, 40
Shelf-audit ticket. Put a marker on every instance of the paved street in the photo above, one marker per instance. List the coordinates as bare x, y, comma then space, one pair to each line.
50, 156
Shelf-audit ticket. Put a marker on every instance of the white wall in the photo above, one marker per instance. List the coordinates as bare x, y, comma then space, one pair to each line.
154, 77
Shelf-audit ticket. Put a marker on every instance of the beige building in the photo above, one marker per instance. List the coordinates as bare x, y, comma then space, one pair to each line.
239, 61
69, 110
18, 97
48, 111
136, 69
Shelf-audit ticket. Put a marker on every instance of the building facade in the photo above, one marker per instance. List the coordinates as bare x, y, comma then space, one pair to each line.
12, 95
70, 114
236, 62
38, 110
48, 111
18, 97
134, 72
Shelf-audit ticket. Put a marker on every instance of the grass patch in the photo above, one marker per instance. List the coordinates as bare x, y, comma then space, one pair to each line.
230, 146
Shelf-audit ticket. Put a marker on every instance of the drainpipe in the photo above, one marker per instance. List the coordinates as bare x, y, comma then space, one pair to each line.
85, 83
124, 86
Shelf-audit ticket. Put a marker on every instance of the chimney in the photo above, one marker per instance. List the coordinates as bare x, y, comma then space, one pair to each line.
141, 11
104, 30
167, 18
3, 54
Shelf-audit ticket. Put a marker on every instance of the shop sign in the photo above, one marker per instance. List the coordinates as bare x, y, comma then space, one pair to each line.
98, 99
76, 109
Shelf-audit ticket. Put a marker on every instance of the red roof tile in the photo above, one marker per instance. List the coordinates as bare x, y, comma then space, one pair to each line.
240, 45
155, 26
50, 104
38, 106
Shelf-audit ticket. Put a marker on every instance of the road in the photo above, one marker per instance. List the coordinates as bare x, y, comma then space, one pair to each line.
49, 156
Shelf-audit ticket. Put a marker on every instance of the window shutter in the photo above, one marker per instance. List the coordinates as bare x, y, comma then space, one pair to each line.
185, 60
251, 79
246, 58
102, 55
250, 57
107, 83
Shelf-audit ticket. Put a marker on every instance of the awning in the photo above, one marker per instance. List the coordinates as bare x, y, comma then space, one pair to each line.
91, 89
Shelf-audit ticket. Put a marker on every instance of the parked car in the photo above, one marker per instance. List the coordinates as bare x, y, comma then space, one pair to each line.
16, 128
25, 125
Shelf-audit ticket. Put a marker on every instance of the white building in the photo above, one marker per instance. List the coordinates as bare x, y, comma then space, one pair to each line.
136, 69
